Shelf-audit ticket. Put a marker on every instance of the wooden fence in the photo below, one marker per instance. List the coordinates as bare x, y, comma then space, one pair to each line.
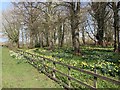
68, 75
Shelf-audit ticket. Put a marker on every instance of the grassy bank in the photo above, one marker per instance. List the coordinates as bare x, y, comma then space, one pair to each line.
0, 67
17, 74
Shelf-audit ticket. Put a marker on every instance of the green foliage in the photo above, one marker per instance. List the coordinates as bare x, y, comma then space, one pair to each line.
103, 59
93, 58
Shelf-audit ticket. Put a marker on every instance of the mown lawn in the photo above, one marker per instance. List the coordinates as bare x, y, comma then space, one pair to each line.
22, 74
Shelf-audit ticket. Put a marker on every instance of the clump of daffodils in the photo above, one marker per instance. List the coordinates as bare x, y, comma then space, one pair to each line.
13, 54
16, 55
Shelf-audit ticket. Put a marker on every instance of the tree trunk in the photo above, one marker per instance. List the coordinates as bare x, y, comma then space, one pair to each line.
62, 38
100, 31
83, 36
31, 40
75, 8
47, 39
22, 39
118, 41
118, 24
116, 27
61, 35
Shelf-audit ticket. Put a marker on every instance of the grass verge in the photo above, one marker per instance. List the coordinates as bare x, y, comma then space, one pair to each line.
22, 75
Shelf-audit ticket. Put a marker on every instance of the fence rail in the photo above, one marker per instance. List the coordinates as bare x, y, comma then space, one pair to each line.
43, 59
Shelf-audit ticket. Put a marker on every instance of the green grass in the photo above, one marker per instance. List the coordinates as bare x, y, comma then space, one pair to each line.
22, 75
105, 59
0, 67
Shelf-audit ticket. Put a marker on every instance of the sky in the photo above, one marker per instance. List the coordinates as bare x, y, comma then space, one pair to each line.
4, 5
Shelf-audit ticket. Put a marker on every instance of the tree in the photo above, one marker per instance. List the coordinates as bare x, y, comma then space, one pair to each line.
74, 11
31, 17
100, 15
12, 25
115, 6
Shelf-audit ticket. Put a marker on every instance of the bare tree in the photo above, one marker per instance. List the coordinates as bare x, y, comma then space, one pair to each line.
12, 25
100, 13
115, 6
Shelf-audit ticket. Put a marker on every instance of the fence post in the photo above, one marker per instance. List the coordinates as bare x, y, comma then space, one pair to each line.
69, 83
44, 65
95, 78
54, 65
